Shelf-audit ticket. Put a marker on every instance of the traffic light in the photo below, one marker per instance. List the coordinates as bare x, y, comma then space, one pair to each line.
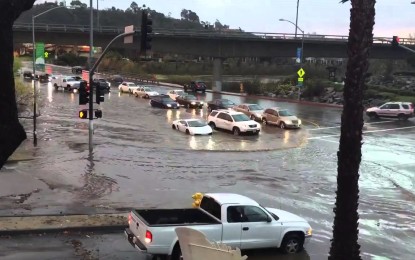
146, 30
98, 113
83, 114
99, 97
395, 41
83, 93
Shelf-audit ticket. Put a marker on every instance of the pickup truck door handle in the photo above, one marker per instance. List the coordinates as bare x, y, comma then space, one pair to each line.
245, 228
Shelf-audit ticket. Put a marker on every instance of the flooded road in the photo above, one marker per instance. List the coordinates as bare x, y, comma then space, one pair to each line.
139, 161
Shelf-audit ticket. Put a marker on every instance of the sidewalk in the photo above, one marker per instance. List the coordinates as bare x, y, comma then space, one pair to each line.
60, 223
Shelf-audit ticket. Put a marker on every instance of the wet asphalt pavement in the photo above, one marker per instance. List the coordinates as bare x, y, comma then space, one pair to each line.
139, 161
91, 246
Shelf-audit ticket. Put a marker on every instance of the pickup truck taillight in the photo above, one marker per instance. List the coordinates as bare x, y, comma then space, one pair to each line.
149, 237
130, 218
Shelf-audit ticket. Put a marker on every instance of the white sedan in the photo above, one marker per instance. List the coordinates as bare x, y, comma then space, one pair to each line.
192, 126
145, 92
127, 87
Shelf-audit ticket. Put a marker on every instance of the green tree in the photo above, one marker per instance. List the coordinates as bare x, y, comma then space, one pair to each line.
134, 7
79, 4
184, 14
344, 245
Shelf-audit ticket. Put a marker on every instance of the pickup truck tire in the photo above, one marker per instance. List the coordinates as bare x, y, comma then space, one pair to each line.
292, 243
177, 253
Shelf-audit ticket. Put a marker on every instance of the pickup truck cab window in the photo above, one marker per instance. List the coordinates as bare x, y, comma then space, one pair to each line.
211, 206
246, 214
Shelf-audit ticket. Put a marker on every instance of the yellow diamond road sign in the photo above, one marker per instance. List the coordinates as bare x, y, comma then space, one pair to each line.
301, 72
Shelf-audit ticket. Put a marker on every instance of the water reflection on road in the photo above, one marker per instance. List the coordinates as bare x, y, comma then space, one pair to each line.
139, 161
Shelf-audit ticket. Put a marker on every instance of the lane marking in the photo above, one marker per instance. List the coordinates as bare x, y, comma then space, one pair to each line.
331, 127
330, 141
372, 131
311, 122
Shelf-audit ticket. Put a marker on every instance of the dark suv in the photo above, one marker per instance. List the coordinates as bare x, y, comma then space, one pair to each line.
195, 86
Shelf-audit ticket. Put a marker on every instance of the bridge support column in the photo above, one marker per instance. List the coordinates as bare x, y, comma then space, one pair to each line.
217, 75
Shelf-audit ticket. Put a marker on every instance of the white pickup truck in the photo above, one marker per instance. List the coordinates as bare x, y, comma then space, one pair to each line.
233, 219
68, 83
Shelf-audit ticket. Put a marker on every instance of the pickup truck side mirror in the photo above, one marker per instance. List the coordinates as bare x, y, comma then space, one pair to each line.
269, 219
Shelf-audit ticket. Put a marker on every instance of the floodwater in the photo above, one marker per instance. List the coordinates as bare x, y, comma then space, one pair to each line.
140, 161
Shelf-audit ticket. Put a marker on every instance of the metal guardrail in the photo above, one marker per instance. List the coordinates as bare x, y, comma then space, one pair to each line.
203, 33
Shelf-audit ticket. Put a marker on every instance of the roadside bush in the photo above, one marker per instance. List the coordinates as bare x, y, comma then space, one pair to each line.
314, 88
24, 96
17, 64
71, 59
231, 87
252, 87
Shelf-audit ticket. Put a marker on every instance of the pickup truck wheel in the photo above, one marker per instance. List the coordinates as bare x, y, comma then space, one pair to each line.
177, 253
292, 244
282, 125
264, 121
173, 126
252, 117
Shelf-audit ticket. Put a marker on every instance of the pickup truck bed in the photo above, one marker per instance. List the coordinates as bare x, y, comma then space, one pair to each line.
175, 217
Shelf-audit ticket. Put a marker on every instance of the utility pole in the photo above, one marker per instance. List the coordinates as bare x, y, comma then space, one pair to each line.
91, 92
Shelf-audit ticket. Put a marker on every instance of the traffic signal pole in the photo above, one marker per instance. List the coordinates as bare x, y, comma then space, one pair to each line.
91, 93
91, 83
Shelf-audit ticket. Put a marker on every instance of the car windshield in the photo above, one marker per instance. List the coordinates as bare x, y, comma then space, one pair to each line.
197, 123
147, 89
240, 117
179, 92
255, 107
131, 85
284, 113
70, 79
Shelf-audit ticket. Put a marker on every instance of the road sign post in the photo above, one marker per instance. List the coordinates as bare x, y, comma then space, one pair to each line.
300, 81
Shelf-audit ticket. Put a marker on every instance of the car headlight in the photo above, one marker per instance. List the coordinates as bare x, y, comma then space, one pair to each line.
201, 102
109, 84
309, 231
288, 122
299, 121
258, 115
168, 105
193, 103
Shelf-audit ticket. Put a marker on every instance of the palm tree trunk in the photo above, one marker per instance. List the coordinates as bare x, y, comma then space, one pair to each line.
11, 131
344, 244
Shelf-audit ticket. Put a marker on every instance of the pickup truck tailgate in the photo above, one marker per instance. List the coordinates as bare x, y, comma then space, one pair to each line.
137, 226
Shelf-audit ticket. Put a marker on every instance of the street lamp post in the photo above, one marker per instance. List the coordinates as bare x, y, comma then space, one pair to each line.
34, 71
302, 46
296, 19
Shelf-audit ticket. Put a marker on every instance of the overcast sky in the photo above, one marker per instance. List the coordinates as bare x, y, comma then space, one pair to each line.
393, 17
